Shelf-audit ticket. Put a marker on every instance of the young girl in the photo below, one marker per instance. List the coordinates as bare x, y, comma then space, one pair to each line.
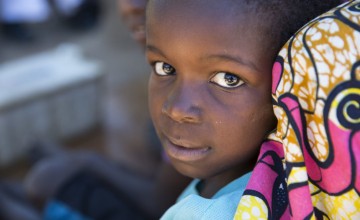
210, 90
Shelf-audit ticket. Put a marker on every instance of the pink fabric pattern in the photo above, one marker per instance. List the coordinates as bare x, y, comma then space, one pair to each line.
310, 167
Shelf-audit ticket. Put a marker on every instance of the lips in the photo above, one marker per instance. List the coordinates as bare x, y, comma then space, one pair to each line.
183, 151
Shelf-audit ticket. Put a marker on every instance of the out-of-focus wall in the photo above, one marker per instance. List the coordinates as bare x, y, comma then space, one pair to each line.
51, 95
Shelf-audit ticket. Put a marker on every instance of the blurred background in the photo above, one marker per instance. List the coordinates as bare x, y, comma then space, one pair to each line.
78, 86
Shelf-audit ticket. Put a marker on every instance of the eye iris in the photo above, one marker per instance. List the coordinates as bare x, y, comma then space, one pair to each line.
168, 69
231, 79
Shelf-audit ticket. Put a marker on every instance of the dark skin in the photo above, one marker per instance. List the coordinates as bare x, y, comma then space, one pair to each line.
167, 183
163, 187
209, 91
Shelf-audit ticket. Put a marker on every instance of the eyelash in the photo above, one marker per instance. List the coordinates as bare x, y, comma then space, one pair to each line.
170, 70
227, 76
157, 69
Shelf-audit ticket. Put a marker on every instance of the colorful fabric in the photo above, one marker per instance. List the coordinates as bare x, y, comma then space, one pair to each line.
221, 206
310, 167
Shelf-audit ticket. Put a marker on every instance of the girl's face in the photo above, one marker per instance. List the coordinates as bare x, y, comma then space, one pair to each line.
209, 90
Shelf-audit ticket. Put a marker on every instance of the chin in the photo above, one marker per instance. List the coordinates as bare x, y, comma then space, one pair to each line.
190, 171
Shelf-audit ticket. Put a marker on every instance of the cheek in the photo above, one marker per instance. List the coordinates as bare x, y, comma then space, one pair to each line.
156, 100
237, 141
261, 121
152, 98
247, 123
153, 107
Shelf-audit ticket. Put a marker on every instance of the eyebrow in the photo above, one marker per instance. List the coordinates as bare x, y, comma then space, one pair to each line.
155, 50
225, 57
235, 59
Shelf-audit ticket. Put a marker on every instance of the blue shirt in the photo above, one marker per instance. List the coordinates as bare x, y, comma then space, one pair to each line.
56, 210
222, 205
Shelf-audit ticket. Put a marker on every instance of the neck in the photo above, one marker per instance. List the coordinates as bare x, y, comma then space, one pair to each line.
210, 186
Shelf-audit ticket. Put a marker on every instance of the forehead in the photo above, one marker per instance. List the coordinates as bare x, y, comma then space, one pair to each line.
207, 25
225, 8
199, 12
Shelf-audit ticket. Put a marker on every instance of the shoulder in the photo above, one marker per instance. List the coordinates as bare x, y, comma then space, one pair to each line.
196, 207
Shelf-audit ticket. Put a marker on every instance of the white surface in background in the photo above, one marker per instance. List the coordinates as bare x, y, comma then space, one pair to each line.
24, 10
44, 73
52, 95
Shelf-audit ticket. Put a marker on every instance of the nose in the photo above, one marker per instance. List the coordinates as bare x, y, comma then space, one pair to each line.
183, 104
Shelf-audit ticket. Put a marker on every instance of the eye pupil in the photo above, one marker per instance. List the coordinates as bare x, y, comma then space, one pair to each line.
168, 68
231, 79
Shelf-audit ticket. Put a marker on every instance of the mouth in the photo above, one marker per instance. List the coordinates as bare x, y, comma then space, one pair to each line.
185, 152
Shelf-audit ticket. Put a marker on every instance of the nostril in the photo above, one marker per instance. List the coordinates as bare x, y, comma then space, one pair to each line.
182, 114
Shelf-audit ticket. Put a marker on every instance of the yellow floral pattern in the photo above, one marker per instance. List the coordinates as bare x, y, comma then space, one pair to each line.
311, 170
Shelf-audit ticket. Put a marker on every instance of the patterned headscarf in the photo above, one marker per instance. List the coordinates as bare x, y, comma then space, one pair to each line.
310, 167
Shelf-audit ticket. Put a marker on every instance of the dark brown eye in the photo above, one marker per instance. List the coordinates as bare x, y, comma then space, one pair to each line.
227, 80
231, 80
164, 69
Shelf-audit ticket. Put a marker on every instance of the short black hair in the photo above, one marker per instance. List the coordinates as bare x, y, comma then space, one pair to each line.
278, 20
285, 17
